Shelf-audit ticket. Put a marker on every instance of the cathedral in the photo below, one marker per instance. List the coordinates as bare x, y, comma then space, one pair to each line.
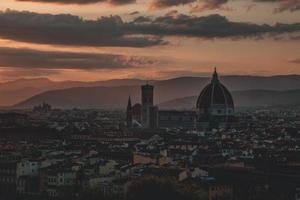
214, 109
215, 105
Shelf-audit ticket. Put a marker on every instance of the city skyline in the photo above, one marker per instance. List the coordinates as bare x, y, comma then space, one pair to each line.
157, 39
150, 99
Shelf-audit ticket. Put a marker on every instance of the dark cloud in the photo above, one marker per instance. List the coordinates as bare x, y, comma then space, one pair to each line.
13, 73
35, 59
160, 4
209, 27
296, 37
113, 2
209, 5
203, 5
297, 61
69, 30
196, 6
172, 13
284, 5
140, 32
134, 13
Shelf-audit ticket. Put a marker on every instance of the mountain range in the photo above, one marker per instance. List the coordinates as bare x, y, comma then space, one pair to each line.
173, 93
13, 92
247, 98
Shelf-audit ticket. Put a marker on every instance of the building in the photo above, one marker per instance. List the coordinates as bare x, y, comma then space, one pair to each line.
13, 119
215, 105
153, 117
147, 104
55, 179
148, 158
129, 114
28, 186
137, 114
177, 119
215, 190
27, 168
143, 115
215, 109
8, 173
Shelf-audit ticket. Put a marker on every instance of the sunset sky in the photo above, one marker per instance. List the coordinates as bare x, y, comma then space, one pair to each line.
149, 39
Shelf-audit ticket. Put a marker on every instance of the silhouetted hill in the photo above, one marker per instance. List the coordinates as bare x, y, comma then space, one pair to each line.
13, 92
116, 97
82, 97
248, 98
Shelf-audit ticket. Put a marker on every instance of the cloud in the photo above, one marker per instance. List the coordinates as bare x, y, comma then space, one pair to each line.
203, 5
134, 13
181, 73
82, 2
207, 27
36, 59
196, 6
69, 30
284, 5
297, 61
142, 31
13, 73
161, 4
209, 5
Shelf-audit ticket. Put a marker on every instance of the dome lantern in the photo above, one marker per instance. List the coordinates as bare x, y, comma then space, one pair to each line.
215, 78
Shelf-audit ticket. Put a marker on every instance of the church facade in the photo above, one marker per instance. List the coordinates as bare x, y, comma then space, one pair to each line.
215, 109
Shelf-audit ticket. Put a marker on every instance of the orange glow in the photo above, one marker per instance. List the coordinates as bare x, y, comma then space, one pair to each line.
184, 56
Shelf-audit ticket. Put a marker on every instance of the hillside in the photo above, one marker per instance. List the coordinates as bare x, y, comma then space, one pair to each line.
13, 92
116, 97
19, 90
248, 98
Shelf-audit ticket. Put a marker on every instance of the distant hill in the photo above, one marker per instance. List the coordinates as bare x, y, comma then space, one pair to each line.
83, 97
165, 97
248, 98
13, 92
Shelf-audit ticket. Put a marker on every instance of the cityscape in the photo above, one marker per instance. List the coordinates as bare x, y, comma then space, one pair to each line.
149, 100
221, 153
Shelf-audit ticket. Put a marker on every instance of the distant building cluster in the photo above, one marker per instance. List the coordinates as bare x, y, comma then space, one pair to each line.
44, 107
215, 109
259, 160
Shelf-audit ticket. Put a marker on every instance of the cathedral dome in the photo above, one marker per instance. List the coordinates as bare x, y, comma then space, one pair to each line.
215, 99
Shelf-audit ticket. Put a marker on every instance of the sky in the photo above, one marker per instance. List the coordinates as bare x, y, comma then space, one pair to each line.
90, 40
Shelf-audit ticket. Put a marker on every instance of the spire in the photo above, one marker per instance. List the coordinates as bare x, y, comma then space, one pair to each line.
129, 114
215, 78
129, 103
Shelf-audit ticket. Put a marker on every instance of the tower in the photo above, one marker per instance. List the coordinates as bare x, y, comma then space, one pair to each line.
129, 114
147, 95
147, 104
153, 117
